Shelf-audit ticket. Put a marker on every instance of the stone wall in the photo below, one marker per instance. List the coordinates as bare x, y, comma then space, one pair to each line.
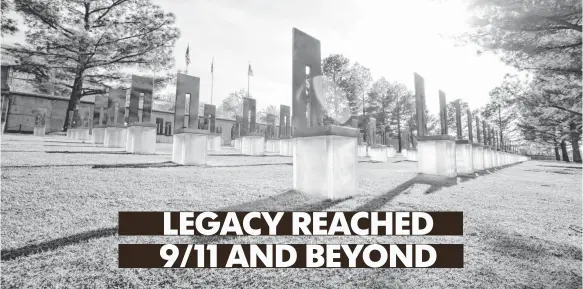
22, 106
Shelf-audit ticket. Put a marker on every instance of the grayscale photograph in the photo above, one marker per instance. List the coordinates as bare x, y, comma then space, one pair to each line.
291, 144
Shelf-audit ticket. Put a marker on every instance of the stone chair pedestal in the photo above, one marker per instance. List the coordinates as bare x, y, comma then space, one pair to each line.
253, 145
325, 160
141, 138
487, 157
464, 157
391, 151
378, 153
412, 155
189, 146
82, 134
499, 158
272, 145
286, 147
214, 142
115, 137
437, 155
362, 152
478, 157
39, 130
98, 135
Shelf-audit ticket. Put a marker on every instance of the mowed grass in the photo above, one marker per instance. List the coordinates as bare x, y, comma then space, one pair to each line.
522, 224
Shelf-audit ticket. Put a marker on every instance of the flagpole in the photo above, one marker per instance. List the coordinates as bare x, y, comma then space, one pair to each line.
187, 57
212, 78
248, 77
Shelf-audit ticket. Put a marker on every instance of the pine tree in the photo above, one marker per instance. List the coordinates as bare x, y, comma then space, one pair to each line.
92, 45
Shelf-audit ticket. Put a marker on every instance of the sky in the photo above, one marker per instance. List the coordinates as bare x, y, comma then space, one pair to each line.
392, 38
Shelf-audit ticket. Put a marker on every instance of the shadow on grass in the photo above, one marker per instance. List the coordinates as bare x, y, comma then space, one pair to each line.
27, 250
46, 166
81, 146
373, 162
90, 152
387, 162
482, 173
493, 170
59, 141
241, 155
170, 164
530, 247
533, 254
553, 172
20, 151
436, 183
566, 167
265, 204
166, 164
251, 165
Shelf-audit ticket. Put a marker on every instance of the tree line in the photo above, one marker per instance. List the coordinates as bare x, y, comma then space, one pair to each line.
542, 39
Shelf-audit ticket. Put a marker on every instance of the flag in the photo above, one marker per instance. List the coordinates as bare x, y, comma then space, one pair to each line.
187, 55
250, 72
212, 65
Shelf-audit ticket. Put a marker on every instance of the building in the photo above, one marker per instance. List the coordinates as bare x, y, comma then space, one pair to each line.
19, 107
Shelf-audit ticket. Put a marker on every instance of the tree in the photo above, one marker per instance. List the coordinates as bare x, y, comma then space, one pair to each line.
335, 69
345, 86
451, 118
359, 80
575, 133
232, 105
433, 124
402, 108
527, 106
542, 36
391, 103
379, 100
533, 113
546, 126
354, 86
561, 96
92, 45
270, 109
502, 107
9, 25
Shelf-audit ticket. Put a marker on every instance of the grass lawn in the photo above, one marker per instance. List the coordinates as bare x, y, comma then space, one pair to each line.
60, 198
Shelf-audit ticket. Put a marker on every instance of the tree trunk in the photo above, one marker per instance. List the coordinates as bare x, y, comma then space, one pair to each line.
334, 98
557, 155
76, 92
564, 151
399, 130
399, 135
75, 98
575, 143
